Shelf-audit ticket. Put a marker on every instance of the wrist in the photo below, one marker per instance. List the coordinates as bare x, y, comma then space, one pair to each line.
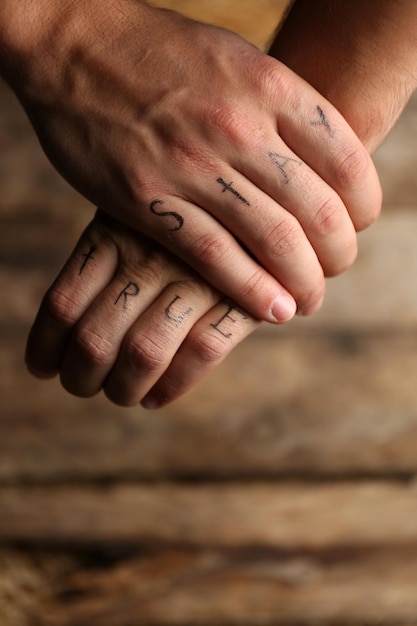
359, 55
29, 32
40, 39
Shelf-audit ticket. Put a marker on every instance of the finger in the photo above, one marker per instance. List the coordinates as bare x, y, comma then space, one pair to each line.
152, 342
320, 216
86, 273
295, 244
320, 136
143, 272
209, 342
215, 254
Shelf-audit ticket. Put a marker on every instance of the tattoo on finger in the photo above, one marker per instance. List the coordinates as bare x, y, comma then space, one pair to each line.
222, 326
130, 291
322, 121
281, 161
88, 256
178, 219
176, 316
228, 187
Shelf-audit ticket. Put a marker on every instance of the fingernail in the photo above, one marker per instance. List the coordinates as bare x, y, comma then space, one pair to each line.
311, 309
150, 402
284, 308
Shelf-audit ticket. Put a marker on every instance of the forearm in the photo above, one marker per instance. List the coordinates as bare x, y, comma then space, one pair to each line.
41, 39
360, 54
27, 30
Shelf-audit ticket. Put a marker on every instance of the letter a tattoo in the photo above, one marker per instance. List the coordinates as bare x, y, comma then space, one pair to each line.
281, 161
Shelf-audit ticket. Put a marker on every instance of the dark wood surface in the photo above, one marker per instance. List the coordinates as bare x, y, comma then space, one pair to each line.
280, 491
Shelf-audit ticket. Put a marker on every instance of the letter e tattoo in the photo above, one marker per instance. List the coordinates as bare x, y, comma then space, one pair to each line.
179, 219
228, 316
130, 291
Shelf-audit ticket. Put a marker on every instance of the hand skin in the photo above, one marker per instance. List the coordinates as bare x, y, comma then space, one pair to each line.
126, 316
186, 357
361, 55
198, 140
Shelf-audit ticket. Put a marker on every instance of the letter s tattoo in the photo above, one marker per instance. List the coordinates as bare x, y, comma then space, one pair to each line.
179, 219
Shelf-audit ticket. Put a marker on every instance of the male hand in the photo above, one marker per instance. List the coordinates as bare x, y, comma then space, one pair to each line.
203, 143
126, 316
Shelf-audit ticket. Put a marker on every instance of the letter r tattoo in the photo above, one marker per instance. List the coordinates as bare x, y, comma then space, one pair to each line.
130, 291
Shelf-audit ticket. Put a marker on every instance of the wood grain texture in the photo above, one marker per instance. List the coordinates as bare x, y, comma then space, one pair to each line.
280, 491
248, 588
373, 586
255, 21
286, 515
334, 404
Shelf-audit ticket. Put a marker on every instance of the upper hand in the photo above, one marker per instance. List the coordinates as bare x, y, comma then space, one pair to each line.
208, 146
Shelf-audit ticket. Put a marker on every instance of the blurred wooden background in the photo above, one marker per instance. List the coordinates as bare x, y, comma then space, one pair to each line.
280, 491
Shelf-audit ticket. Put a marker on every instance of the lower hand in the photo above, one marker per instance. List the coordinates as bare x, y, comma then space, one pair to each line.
126, 316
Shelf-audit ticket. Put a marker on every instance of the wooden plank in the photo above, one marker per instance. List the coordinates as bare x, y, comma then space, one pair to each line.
255, 21
283, 515
210, 587
243, 588
395, 161
377, 291
310, 405
26, 581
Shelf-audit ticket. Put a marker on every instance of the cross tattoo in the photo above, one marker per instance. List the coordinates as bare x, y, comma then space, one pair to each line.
228, 187
87, 256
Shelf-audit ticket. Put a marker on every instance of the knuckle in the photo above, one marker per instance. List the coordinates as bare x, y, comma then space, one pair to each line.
329, 218
344, 261
144, 355
284, 238
220, 116
186, 152
119, 397
352, 166
231, 122
62, 307
93, 348
208, 249
207, 348
307, 303
273, 77
369, 214
255, 284
192, 289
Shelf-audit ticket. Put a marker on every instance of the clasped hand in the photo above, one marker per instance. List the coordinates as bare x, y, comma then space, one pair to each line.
250, 182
